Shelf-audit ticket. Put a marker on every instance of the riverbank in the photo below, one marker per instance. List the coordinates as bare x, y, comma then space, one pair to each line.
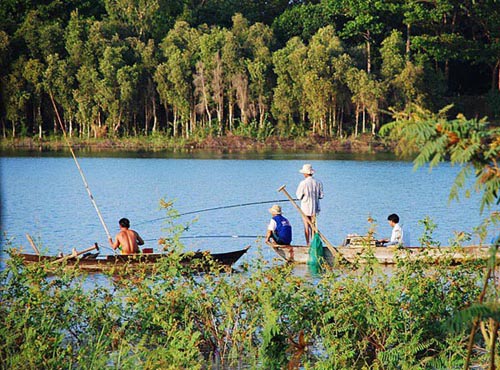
226, 144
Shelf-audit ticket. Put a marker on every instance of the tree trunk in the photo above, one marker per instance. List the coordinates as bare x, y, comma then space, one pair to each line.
231, 115
146, 117
368, 53
408, 45
364, 121
174, 123
357, 121
155, 116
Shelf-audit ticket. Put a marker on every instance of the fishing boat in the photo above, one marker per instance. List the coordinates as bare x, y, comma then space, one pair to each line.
384, 255
85, 260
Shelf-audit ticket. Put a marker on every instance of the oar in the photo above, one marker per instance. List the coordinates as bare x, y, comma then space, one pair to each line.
74, 253
329, 245
33, 245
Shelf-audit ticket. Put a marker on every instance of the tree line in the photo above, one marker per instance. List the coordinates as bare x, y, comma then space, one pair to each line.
186, 68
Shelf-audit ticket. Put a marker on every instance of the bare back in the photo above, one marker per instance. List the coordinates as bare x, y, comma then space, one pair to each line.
129, 240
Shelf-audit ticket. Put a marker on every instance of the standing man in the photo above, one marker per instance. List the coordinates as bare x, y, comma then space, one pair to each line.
127, 239
279, 228
309, 191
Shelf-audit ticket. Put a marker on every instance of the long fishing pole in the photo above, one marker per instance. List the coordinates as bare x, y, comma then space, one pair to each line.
78, 166
217, 208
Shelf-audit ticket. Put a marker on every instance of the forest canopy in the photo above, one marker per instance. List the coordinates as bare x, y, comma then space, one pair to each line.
287, 68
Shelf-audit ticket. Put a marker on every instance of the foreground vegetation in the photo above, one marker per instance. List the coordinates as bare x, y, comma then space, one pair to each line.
263, 318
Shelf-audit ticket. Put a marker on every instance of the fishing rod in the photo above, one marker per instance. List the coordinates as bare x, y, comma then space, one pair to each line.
217, 208
78, 166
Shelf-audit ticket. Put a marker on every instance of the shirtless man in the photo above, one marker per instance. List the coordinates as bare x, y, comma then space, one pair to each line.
128, 240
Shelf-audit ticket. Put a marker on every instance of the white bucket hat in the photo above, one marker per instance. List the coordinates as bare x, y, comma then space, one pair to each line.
307, 169
275, 210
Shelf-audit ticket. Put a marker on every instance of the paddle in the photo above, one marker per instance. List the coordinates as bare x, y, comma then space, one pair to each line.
74, 253
329, 245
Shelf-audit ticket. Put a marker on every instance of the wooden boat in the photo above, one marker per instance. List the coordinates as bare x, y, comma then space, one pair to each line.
385, 255
94, 262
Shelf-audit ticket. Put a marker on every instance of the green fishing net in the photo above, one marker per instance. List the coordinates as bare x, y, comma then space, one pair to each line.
315, 251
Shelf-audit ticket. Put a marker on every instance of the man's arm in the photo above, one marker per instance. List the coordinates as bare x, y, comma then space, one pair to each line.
115, 244
268, 236
270, 228
139, 239
300, 190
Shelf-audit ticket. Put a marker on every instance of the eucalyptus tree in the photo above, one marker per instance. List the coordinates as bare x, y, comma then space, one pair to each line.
16, 96
236, 55
342, 102
367, 95
148, 59
259, 63
76, 37
233, 70
33, 73
174, 76
59, 83
88, 111
137, 14
42, 34
289, 65
319, 79
392, 54
108, 92
209, 76
117, 86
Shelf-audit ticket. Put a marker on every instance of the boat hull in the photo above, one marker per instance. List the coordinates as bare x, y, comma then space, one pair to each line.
385, 255
196, 260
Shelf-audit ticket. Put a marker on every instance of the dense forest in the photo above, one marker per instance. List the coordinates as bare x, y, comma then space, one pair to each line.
190, 68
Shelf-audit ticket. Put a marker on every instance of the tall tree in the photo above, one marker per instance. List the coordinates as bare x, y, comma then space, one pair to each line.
324, 47
179, 48
288, 94
260, 38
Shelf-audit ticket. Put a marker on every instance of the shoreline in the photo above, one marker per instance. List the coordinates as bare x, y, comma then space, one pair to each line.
229, 144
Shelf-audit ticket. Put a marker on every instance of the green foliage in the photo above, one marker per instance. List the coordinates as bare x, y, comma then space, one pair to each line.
165, 316
129, 67
426, 239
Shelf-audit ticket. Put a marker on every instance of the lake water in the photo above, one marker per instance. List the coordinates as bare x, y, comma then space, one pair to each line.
45, 197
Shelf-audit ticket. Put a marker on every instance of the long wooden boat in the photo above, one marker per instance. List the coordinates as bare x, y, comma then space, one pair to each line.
95, 262
384, 255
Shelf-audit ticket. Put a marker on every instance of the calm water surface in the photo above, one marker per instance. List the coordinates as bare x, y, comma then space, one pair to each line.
45, 197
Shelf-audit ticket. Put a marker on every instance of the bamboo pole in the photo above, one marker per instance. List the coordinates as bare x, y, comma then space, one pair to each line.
329, 245
78, 166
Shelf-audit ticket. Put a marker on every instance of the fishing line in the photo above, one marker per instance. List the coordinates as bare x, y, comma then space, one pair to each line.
216, 208
214, 236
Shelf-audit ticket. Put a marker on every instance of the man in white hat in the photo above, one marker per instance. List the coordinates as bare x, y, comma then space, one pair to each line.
279, 228
309, 191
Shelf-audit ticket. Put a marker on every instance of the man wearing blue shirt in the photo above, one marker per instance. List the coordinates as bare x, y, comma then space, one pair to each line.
279, 228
